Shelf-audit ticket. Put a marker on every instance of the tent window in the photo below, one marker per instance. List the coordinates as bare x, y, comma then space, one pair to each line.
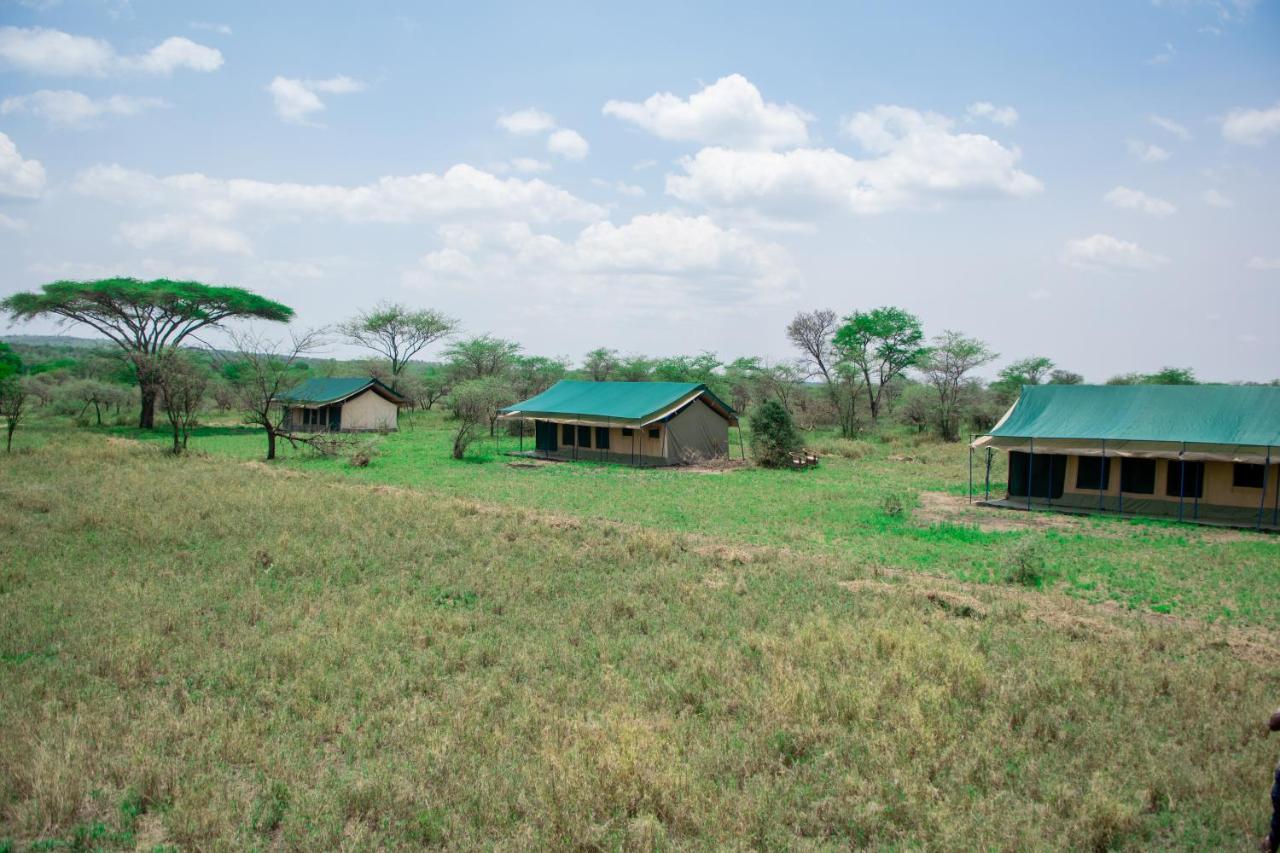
566, 434
602, 438
1189, 484
1138, 476
1246, 475
1093, 473
653, 433
626, 433
1047, 472
584, 436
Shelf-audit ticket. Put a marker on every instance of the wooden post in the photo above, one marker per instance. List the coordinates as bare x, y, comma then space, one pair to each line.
1031, 461
970, 467
1102, 479
1182, 479
986, 495
1266, 475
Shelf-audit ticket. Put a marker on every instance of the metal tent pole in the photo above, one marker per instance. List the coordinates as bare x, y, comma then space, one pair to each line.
1031, 460
1048, 492
986, 495
1266, 475
1275, 511
1182, 479
1102, 479
970, 467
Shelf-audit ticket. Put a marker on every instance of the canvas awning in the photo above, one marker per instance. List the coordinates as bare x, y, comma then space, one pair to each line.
1196, 422
618, 404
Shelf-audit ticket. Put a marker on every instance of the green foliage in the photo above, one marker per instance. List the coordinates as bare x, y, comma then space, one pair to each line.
480, 357
880, 344
397, 332
1025, 561
773, 435
10, 362
1163, 376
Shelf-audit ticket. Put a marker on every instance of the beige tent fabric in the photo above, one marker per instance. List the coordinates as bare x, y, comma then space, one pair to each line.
1138, 449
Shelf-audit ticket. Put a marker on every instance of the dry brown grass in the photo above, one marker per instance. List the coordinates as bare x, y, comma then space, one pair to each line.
199, 654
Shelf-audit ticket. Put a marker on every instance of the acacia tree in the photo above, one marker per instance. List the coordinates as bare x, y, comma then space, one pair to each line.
812, 334
397, 333
1025, 371
950, 359
146, 319
13, 403
884, 342
476, 403
481, 356
261, 369
601, 364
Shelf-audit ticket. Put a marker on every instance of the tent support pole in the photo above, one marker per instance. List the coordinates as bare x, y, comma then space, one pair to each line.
1102, 479
986, 495
742, 448
1275, 510
1048, 492
970, 467
1266, 475
1182, 479
1031, 459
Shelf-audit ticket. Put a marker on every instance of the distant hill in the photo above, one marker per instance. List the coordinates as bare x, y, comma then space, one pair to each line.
55, 341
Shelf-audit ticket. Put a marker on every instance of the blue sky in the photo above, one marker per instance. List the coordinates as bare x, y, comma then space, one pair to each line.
1094, 182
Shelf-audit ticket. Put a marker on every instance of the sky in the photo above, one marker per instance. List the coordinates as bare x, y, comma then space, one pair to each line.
1096, 182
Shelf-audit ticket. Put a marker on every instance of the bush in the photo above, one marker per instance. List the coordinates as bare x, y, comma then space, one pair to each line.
1026, 563
773, 435
893, 505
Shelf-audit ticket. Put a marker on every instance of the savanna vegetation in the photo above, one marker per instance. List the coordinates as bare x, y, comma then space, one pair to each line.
420, 640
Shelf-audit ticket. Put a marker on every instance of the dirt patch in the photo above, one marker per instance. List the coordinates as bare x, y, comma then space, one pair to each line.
940, 507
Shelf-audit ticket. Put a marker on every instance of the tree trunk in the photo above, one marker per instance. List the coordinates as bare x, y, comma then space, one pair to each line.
271, 443
8, 443
147, 419
177, 445
97, 410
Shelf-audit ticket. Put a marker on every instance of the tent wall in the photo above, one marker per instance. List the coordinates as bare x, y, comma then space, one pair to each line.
638, 448
1218, 489
696, 434
368, 411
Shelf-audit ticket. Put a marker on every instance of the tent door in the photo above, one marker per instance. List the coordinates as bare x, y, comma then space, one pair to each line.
335, 418
1048, 475
545, 436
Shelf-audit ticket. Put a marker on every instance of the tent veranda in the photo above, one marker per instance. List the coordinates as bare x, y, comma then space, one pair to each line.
1200, 438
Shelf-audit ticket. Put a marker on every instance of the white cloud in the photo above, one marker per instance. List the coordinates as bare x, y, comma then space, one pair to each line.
13, 223
527, 122
1163, 57
652, 261
1213, 198
186, 234
1251, 127
1146, 152
621, 187
1005, 116
220, 29
296, 100
1264, 264
461, 191
730, 113
1104, 252
919, 161
76, 109
568, 144
19, 177
529, 165
1137, 200
1171, 126
44, 51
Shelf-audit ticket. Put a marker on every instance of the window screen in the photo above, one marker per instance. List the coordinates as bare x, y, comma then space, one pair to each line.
1246, 475
1046, 471
1185, 479
584, 436
1093, 472
653, 433
626, 433
566, 433
602, 438
1138, 476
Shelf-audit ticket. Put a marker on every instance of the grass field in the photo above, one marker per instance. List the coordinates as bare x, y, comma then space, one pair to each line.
208, 652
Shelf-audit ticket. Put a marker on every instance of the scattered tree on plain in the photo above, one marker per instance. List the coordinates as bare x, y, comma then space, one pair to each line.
1065, 377
146, 319
261, 370
812, 333
480, 356
13, 393
182, 389
881, 344
1163, 376
398, 333
950, 360
475, 405
601, 363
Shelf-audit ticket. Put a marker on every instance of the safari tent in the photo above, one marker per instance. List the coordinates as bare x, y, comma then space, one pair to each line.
1202, 453
633, 423
341, 404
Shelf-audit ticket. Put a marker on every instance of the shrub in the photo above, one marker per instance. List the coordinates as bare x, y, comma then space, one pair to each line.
1026, 563
773, 435
893, 505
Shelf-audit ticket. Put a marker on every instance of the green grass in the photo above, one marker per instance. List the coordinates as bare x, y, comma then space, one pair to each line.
199, 654
836, 509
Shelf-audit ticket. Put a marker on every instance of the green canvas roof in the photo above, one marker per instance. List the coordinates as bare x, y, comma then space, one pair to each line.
318, 392
1200, 414
622, 401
